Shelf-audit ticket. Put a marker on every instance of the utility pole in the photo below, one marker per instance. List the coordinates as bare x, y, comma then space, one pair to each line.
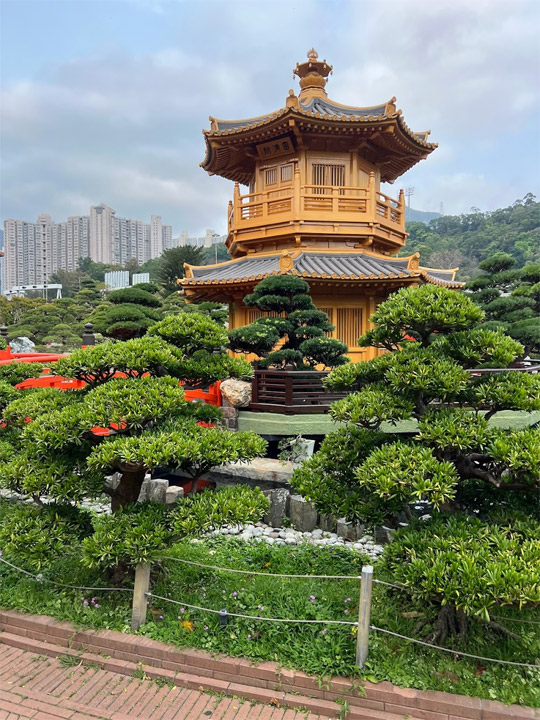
408, 192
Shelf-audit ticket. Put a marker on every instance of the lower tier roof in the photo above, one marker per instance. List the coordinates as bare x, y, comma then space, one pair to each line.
344, 266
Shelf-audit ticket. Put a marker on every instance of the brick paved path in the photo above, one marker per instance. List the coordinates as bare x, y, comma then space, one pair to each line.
42, 688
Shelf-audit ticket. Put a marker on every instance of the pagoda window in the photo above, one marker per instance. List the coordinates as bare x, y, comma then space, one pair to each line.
270, 176
327, 177
286, 173
349, 325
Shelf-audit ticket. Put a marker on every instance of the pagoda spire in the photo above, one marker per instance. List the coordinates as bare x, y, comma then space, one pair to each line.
313, 75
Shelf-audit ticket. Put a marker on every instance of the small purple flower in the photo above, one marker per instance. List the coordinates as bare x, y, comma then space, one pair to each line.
85, 603
242, 589
206, 627
96, 605
234, 594
249, 636
348, 600
260, 607
346, 612
312, 598
161, 617
182, 610
323, 632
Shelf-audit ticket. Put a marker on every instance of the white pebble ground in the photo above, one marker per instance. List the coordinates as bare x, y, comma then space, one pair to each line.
260, 532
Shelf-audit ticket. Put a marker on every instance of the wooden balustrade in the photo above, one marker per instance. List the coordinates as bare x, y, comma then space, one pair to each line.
316, 202
292, 392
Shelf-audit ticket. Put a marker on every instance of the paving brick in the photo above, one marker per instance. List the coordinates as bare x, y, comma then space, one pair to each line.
447, 703
46, 707
418, 713
259, 694
315, 704
18, 709
497, 711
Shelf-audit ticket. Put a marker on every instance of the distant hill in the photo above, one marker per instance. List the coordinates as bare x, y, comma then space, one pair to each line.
412, 215
463, 241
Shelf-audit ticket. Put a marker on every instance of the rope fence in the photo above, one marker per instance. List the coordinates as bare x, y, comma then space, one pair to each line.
141, 594
40, 578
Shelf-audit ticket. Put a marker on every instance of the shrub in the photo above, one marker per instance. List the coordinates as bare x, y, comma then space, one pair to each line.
461, 566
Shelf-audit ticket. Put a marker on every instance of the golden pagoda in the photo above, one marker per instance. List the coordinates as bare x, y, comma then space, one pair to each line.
314, 208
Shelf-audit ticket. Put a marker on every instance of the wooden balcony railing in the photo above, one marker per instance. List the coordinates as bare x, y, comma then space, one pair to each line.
292, 392
301, 392
316, 203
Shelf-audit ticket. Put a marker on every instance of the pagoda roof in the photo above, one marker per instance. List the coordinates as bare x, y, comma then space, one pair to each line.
231, 144
317, 265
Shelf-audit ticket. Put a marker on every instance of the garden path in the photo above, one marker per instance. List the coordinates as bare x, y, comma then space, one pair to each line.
42, 688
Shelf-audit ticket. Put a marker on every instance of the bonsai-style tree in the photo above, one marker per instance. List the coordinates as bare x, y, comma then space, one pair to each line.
457, 461
510, 298
128, 314
131, 418
295, 332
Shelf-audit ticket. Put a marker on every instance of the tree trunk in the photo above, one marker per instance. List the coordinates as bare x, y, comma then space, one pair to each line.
450, 621
128, 489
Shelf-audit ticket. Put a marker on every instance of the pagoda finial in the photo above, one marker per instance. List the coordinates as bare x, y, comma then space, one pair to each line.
313, 75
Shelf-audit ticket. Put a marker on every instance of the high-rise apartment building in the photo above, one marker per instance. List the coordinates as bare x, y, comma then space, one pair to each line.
34, 251
102, 233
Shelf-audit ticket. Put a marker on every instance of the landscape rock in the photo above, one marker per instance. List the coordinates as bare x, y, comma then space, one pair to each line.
279, 502
22, 345
172, 494
157, 491
327, 522
236, 393
303, 515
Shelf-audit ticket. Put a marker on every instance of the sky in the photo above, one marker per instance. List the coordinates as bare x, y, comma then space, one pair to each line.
105, 100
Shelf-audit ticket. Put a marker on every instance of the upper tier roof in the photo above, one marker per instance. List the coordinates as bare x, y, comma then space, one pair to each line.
231, 145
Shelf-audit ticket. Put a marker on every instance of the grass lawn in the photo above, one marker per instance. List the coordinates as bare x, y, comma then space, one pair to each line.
315, 649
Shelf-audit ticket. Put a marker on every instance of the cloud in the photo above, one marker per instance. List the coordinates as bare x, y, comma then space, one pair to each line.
123, 125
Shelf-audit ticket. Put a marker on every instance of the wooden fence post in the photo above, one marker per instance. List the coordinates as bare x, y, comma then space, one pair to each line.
140, 601
364, 614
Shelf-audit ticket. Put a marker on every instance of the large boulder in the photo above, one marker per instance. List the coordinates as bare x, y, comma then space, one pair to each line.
236, 393
22, 345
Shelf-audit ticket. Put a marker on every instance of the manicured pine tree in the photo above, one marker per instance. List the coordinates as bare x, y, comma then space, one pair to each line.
294, 333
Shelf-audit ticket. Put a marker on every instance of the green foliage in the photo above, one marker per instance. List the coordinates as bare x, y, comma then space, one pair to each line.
478, 348
35, 402
369, 407
190, 448
471, 565
456, 451
206, 511
497, 263
324, 351
327, 479
170, 266
401, 473
99, 363
134, 534
256, 338
133, 403
298, 335
139, 533
7, 394
511, 297
418, 312
357, 375
506, 391
302, 647
133, 295
465, 240
36, 536
191, 332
